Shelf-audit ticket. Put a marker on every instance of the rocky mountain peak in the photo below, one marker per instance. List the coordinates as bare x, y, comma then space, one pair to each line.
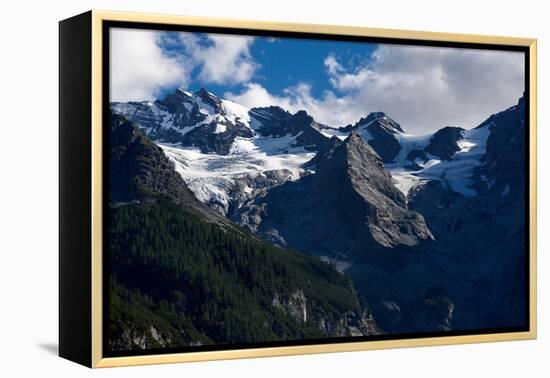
210, 99
351, 187
366, 169
302, 116
521, 101
175, 101
269, 112
276, 122
380, 119
380, 132
354, 138
444, 142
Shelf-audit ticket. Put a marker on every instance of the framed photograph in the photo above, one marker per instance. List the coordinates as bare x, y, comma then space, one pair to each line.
234, 189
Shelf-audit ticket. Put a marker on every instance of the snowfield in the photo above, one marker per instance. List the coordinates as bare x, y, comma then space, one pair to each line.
456, 173
211, 176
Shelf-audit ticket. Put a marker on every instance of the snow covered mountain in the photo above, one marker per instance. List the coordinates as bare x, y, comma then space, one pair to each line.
364, 197
198, 119
225, 152
349, 205
229, 154
449, 155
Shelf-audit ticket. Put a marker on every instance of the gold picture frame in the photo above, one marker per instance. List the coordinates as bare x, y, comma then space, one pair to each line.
92, 326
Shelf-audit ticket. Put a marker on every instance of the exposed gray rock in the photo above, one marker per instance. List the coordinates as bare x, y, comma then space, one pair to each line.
175, 120
380, 133
132, 339
480, 241
199, 119
140, 171
351, 323
277, 122
295, 305
437, 312
444, 142
349, 206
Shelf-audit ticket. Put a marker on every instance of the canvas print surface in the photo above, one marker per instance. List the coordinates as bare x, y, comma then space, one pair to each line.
268, 190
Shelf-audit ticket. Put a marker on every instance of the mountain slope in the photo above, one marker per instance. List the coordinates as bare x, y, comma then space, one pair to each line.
181, 276
349, 206
217, 145
211, 124
480, 239
374, 209
139, 171
380, 132
196, 119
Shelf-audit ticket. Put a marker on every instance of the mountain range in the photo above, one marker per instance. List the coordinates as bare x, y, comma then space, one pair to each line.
180, 274
429, 228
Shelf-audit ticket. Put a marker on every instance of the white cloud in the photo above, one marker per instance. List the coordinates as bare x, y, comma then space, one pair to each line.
225, 60
329, 109
138, 66
427, 88
334, 68
255, 95
424, 88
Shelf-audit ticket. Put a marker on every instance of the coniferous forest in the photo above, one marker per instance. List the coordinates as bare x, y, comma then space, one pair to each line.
176, 280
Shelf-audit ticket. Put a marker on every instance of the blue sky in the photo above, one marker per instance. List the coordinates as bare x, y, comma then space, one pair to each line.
423, 88
283, 63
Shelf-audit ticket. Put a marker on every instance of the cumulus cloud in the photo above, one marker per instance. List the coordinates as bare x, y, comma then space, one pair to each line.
429, 87
139, 68
255, 95
424, 88
145, 62
329, 108
224, 59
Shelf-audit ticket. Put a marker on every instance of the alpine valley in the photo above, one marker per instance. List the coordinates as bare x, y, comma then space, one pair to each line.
238, 225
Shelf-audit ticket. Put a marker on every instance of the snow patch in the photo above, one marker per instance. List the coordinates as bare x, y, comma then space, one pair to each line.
367, 137
410, 143
329, 132
405, 180
211, 176
506, 191
204, 108
236, 113
456, 173
220, 128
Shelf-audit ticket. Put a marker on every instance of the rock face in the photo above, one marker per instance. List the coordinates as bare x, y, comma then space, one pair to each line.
503, 170
295, 305
431, 228
138, 166
139, 171
198, 119
380, 131
349, 205
351, 323
388, 139
203, 120
207, 281
277, 122
481, 239
443, 143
